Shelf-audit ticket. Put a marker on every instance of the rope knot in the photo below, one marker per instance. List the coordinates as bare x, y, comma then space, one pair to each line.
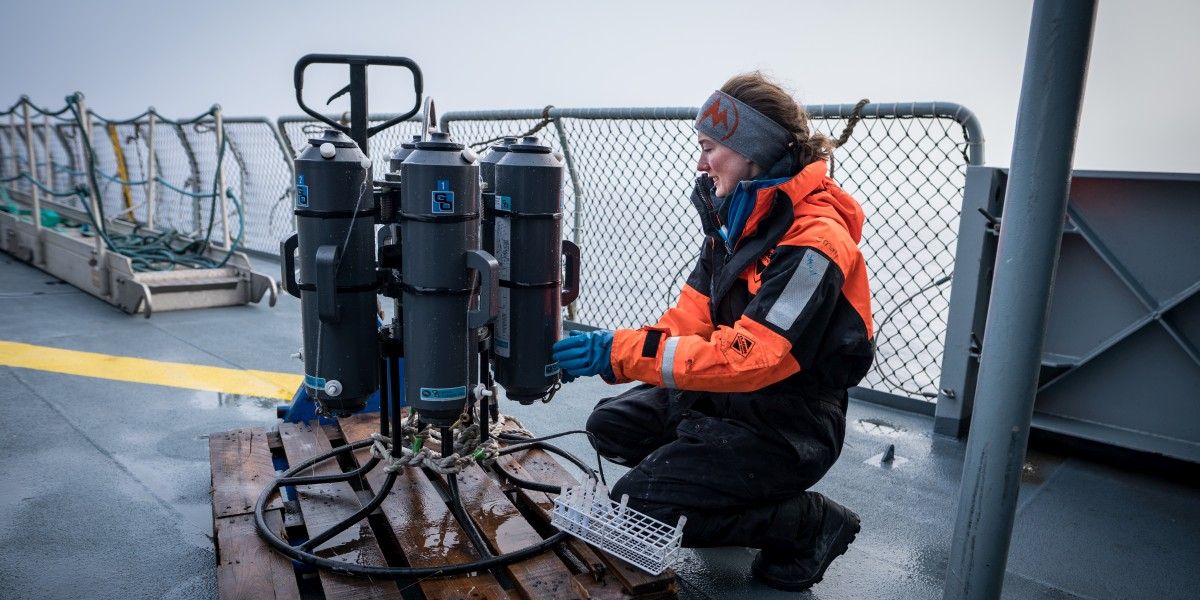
851, 122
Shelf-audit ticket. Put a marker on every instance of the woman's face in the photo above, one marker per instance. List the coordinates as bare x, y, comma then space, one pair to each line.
724, 166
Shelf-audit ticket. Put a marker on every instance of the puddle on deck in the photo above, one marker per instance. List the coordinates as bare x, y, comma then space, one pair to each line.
881, 428
251, 407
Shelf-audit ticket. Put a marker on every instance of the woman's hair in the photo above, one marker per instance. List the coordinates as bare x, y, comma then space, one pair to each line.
768, 98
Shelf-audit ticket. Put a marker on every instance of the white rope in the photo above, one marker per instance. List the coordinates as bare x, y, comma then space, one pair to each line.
498, 427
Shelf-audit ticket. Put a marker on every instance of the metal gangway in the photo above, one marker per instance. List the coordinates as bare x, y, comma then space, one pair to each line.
107, 206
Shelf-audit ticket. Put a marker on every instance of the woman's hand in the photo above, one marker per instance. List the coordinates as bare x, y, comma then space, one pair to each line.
586, 353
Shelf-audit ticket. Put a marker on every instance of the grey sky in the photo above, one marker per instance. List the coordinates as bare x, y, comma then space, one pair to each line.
183, 57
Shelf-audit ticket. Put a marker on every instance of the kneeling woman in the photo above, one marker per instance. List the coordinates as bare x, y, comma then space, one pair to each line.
743, 406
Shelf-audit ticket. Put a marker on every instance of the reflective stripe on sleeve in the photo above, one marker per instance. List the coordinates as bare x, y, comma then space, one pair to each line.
799, 290
668, 362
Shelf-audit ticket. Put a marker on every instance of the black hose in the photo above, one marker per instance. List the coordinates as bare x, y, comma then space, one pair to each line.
354, 518
554, 450
456, 505
290, 473
315, 479
510, 437
347, 476
525, 483
371, 571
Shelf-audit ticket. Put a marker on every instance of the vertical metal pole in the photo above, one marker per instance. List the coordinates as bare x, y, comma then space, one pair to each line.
47, 155
33, 180
49, 181
100, 269
152, 178
396, 397
220, 191
1056, 64
12, 127
359, 117
385, 391
577, 229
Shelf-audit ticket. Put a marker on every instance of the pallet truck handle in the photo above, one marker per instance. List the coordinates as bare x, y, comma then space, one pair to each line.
358, 91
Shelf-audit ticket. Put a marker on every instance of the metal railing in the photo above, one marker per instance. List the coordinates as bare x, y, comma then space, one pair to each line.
155, 171
630, 171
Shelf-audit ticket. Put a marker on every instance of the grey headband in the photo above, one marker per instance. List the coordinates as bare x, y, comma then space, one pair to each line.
744, 130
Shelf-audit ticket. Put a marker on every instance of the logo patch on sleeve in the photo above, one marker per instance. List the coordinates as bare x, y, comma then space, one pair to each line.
742, 345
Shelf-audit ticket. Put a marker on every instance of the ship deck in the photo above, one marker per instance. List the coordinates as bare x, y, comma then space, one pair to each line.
106, 479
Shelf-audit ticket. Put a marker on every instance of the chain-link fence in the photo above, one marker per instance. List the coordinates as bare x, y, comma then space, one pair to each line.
264, 168
907, 165
630, 172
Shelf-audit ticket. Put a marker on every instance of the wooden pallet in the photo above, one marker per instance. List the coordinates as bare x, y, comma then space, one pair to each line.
413, 527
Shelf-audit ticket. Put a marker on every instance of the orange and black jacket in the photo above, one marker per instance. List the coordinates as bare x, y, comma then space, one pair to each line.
788, 302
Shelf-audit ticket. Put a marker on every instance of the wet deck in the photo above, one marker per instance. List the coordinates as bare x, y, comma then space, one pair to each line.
106, 482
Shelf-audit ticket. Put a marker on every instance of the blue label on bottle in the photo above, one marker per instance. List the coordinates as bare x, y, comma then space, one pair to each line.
443, 203
454, 393
301, 192
443, 200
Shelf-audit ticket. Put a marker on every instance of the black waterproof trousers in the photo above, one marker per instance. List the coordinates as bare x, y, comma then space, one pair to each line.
737, 465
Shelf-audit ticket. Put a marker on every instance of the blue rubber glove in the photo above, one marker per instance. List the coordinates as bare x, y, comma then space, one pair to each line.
586, 353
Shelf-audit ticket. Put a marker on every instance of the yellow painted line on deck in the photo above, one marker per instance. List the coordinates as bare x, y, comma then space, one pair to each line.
266, 384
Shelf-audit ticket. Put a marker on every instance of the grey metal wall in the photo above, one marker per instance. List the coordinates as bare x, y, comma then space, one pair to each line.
1122, 353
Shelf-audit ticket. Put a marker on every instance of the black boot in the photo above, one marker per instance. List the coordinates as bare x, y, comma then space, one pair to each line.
804, 565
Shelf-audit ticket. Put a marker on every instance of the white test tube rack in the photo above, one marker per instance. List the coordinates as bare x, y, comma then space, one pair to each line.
587, 513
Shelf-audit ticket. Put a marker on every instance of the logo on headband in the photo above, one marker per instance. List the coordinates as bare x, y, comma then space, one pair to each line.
718, 113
